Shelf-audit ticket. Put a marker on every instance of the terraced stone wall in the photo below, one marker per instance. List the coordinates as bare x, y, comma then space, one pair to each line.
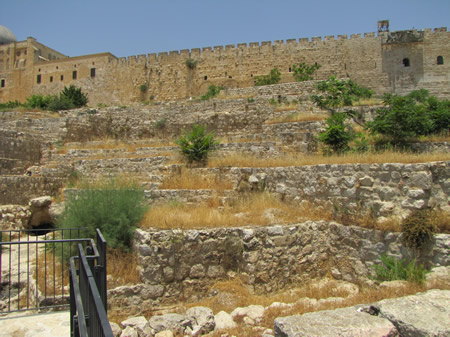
180, 265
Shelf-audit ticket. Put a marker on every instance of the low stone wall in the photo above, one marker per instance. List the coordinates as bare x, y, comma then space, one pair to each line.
19, 190
180, 265
384, 189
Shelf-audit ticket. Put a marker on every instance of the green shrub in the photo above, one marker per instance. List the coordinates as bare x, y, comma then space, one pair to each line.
58, 103
191, 63
38, 102
113, 205
337, 134
143, 88
418, 227
213, 91
339, 93
75, 95
303, 72
392, 269
160, 124
272, 78
10, 105
196, 145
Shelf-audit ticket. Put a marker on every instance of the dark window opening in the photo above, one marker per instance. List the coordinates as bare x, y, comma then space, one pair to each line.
290, 69
74, 75
3, 83
51, 79
230, 76
406, 62
440, 60
62, 77
38, 79
345, 66
206, 77
92, 72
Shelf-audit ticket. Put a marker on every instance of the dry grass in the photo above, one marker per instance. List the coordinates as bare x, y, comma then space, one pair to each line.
51, 274
303, 299
111, 144
368, 102
259, 209
122, 266
190, 180
298, 117
246, 160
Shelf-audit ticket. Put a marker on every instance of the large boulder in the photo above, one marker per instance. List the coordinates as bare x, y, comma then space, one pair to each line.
202, 318
347, 322
172, 322
426, 314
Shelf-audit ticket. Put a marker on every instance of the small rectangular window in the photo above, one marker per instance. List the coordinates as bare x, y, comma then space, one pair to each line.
74, 75
51, 79
3, 83
62, 78
92, 72
38, 79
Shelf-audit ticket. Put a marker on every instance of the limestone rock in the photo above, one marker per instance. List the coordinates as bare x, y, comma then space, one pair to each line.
165, 333
116, 330
203, 317
172, 322
254, 312
224, 321
140, 324
426, 314
348, 322
129, 332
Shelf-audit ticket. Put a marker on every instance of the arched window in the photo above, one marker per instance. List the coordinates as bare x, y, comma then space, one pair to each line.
406, 62
440, 60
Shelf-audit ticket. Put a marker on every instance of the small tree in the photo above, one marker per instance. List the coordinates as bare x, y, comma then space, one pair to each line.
303, 72
337, 134
75, 94
402, 118
196, 144
339, 93
273, 78
191, 63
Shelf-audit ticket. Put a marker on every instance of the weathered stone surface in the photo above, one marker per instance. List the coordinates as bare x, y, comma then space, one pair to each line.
172, 322
348, 322
426, 314
203, 317
224, 321
129, 332
116, 330
140, 324
165, 333
253, 313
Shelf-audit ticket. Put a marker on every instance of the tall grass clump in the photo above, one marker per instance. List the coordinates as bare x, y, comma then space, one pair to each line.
391, 269
113, 205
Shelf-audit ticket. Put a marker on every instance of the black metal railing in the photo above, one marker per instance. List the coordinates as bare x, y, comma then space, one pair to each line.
34, 267
88, 292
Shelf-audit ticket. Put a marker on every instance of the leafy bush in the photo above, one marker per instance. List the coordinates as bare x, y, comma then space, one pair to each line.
191, 63
392, 269
10, 105
160, 124
113, 205
408, 117
143, 88
303, 72
74, 94
213, 91
339, 93
418, 227
196, 145
273, 78
58, 103
38, 102
337, 134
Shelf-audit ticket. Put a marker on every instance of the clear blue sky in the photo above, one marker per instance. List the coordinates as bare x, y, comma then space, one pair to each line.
132, 27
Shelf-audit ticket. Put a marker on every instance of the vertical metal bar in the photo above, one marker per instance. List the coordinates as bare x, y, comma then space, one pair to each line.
18, 274
45, 267
9, 278
37, 275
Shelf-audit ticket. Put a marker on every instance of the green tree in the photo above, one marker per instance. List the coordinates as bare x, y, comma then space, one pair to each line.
303, 72
272, 78
337, 134
339, 93
75, 94
196, 144
408, 117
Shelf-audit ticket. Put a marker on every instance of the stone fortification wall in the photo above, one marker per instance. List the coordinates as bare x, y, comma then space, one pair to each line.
180, 265
372, 61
